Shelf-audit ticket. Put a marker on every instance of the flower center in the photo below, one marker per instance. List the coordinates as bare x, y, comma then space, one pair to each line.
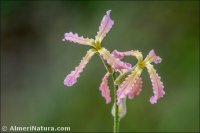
141, 64
97, 45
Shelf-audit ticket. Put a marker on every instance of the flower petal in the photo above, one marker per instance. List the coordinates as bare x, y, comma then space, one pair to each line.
76, 39
128, 84
105, 26
152, 57
121, 55
137, 87
114, 54
104, 88
72, 77
112, 61
158, 88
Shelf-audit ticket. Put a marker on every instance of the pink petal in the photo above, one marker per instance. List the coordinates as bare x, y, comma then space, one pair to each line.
76, 39
105, 26
104, 88
116, 55
137, 87
153, 57
121, 55
72, 77
158, 88
127, 85
112, 61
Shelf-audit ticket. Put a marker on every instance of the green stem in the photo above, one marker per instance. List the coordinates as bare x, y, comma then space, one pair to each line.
116, 116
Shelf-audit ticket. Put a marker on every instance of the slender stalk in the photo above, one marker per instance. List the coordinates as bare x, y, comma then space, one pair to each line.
116, 116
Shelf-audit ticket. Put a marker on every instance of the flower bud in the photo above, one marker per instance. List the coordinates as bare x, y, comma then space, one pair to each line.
122, 109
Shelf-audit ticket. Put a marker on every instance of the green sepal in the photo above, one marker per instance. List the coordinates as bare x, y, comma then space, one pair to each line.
122, 76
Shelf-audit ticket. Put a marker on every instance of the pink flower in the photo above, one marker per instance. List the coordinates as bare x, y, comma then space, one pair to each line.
132, 84
104, 87
117, 64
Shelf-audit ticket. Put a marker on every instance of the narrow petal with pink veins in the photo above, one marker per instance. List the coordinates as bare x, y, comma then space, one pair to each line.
112, 61
152, 57
72, 77
156, 83
76, 39
105, 26
137, 88
104, 88
127, 85
121, 55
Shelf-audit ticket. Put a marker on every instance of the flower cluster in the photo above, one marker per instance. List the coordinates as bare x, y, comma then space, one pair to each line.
129, 81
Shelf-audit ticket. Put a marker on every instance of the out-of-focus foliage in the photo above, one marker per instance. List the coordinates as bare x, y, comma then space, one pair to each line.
34, 62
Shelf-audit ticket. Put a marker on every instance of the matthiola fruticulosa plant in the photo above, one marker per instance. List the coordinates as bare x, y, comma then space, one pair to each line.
126, 79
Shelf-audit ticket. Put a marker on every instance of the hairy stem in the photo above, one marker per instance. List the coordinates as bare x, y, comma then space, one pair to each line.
116, 116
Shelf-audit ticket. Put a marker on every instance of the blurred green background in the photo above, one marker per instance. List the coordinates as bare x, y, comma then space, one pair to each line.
34, 62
